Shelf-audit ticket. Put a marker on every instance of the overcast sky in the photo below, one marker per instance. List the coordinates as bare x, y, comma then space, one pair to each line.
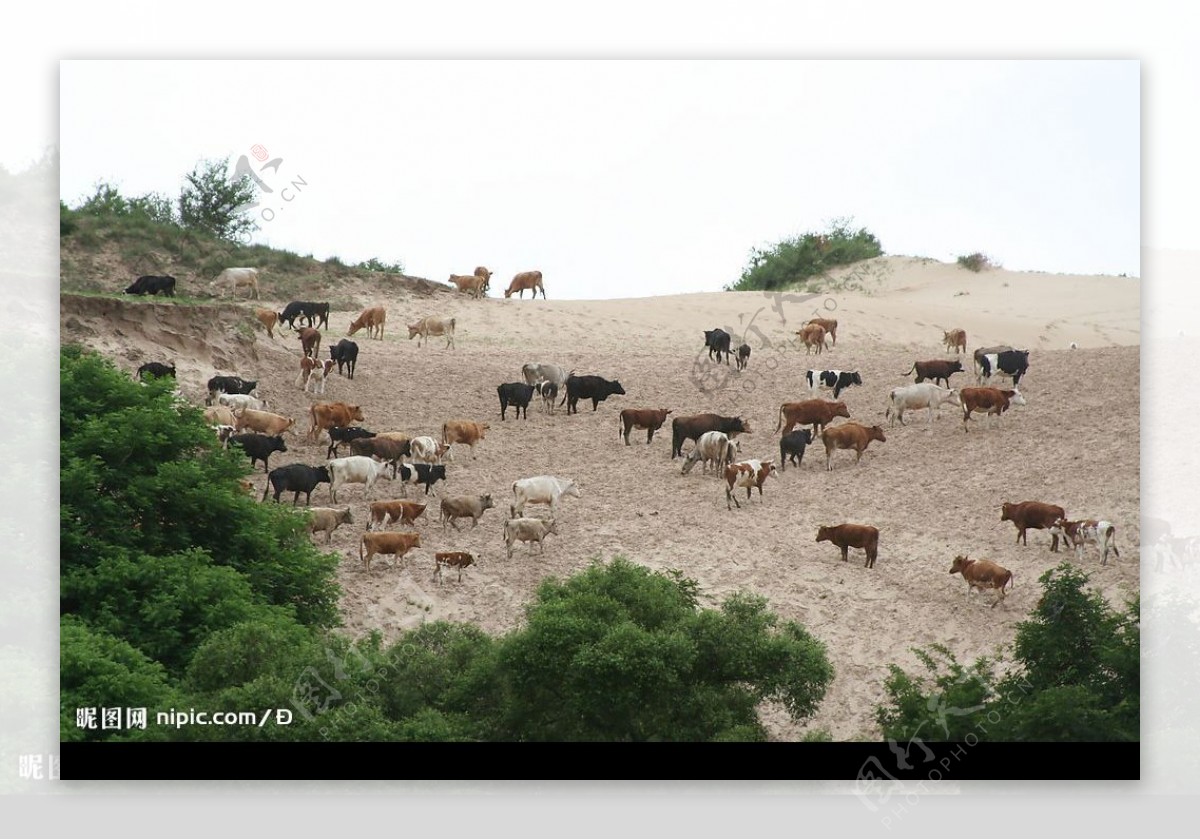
630, 178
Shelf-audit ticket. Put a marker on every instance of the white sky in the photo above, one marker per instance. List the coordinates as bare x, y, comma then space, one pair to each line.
630, 178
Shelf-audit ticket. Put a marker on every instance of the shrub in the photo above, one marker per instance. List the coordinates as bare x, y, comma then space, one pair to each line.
975, 262
809, 255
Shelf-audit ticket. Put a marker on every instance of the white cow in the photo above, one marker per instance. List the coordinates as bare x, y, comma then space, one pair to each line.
542, 490
915, 397
240, 402
527, 530
712, 447
426, 450
236, 278
536, 372
354, 469
1098, 532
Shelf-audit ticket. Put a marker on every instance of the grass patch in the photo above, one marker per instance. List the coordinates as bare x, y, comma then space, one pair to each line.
976, 262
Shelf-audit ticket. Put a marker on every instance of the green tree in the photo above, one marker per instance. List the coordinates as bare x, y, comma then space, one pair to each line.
213, 202
809, 255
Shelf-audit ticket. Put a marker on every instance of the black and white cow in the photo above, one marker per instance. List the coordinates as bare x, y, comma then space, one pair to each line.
423, 474
229, 385
835, 380
1010, 363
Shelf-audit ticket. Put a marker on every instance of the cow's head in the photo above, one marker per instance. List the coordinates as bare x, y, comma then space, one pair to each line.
959, 564
839, 409
571, 489
614, 387
954, 367
1006, 512
1014, 397
876, 433
356, 413
277, 444
414, 330
855, 378
824, 533
485, 501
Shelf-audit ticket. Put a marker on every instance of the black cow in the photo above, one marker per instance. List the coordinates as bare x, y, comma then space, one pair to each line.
297, 478
938, 370
517, 394
549, 392
149, 284
692, 427
229, 385
156, 369
259, 447
345, 352
717, 341
427, 474
317, 315
344, 434
594, 388
791, 447
1014, 363
837, 380
291, 312
743, 356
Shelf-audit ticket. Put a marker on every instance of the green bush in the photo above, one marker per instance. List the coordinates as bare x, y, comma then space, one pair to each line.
376, 264
975, 262
809, 255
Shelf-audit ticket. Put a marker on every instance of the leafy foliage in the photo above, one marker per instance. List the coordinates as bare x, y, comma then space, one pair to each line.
976, 262
376, 264
812, 254
212, 202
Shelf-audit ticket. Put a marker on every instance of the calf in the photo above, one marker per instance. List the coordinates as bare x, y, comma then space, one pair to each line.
813, 336
743, 356
345, 352
791, 448
712, 448
1098, 532
849, 536
395, 510
290, 313
457, 507
527, 530
748, 474
463, 431
327, 520
993, 401
849, 436
395, 543
650, 419
422, 474
310, 341
325, 415
832, 380
156, 369
344, 434
549, 392
594, 388
1011, 363
259, 447
433, 326
955, 340
220, 415
458, 559
829, 325
819, 413
1038, 515
517, 394
373, 318
314, 372
983, 574
269, 318
355, 469
295, 478
938, 370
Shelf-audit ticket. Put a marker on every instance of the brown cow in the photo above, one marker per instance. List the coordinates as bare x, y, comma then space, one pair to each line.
269, 318
326, 415
476, 285
983, 574
1098, 532
396, 543
531, 280
1038, 515
748, 474
263, 422
992, 400
463, 431
695, 425
849, 436
938, 370
828, 324
849, 536
813, 335
650, 419
395, 510
314, 372
386, 449
459, 559
373, 319
310, 341
955, 340
819, 413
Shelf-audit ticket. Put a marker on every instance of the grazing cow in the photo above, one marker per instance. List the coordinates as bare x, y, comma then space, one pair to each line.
263, 422
229, 385
429, 451
458, 559
295, 478
848, 536
549, 392
354, 469
994, 401
527, 530
224, 433
531, 280
395, 543
269, 318
748, 474
476, 285
421, 474
915, 397
326, 415
310, 341
463, 431
717, 341
650, 419
1011, 363
955, 340
540, 372
240, 402
344, 434
149, 284
712, 447
327, 520
259, 447
791, 448
832, 380
457, 507
813, 335
395, 510
983, 574
1038, 515
431, 326
236, 278
290, 313
518, 394
936, 369
849, 435
743, 356
594, 388
314, 314
695, 425
818, 413
156, 369
1098, 532
827, 324
220, 415
541, 490
345, 352
387, 450
373, 319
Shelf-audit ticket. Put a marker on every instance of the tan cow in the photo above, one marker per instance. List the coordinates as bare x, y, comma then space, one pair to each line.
849, 436
531, 280
373, 319
983, 574
268, 318
326, 415
813, 335
431, 325
828, 324
396, 543
395, 510
955, 340
327, 520
220, 415
476, 285
263, 422
463, 431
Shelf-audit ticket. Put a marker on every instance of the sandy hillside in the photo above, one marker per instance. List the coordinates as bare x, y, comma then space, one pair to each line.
933, 493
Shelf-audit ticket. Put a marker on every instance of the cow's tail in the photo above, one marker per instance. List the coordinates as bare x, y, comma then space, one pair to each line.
361, 542
1012, 581
780, 424
910, 370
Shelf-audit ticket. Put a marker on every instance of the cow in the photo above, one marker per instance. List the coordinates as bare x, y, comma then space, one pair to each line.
240, 402
269, 318
458, 507
263, 422
541, 490
229, 385
993, 401
984, 351
314, 372
345, 352
422, 474
531, 280
693, 426
317, 314
428, 451
310, 341
594, 388
827, 324
938, 370
813, 335
156, 369
326, 415
431, 326
748, 474
291, 312
650, 419
832, 380
915, 397
535, 372
476, 285
848, 536
458, 559
549, 392
717, 341
849, 435
517, 394
220, 415
1038, 515
295, 478
743, 356
955, 340
149, 284
395, 543
712, 447
791, 448
527, 530
395, 510
983, 574
1011, 363
463, 431
383, 449
327, 520
373, 318
1098, 532
354, 469
818, 413
344, 434
224, 433
259, 447
236, 278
